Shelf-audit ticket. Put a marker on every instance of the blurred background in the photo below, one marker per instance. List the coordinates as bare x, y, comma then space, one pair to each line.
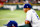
13, 10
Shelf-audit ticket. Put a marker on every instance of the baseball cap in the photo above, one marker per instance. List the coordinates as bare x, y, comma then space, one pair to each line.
27, 6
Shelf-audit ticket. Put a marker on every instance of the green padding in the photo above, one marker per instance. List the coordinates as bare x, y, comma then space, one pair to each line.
19, 8
27, 25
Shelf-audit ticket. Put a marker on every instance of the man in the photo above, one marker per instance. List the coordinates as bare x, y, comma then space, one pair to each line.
12, 24
31, 16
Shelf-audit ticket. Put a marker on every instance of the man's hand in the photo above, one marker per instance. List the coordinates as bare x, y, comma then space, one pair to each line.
27, 22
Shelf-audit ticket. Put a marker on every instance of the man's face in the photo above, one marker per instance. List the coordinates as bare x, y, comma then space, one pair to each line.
26, 9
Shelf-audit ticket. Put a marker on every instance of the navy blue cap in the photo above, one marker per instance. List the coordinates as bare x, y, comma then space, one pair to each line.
12, 23
27, 6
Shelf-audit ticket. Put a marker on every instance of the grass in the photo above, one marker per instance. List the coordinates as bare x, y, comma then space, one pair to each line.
38, 12
17, 15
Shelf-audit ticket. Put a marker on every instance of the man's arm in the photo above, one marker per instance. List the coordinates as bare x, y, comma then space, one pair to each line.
27, 22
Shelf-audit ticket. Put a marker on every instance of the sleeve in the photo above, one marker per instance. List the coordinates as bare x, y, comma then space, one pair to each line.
28, 16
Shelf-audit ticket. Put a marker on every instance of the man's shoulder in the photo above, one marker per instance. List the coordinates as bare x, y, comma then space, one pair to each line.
30, 11
33, 11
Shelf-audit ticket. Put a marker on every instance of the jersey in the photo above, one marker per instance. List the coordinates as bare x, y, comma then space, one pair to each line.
32, 16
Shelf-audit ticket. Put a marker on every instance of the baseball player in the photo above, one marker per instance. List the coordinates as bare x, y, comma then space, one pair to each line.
31, 16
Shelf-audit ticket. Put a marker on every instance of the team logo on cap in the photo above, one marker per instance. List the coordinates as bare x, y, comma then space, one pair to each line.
27, 6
